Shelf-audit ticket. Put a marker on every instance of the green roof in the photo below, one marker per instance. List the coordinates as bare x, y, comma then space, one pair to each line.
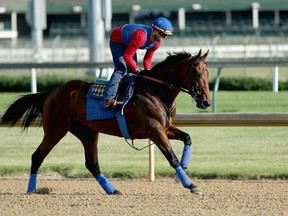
123, 6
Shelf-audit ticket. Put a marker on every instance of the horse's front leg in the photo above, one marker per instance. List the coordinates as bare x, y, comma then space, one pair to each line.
176, 134
161, 140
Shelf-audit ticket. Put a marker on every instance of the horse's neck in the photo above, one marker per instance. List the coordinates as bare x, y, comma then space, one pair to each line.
162, 91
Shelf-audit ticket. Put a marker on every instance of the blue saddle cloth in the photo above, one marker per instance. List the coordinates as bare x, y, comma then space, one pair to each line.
94, 104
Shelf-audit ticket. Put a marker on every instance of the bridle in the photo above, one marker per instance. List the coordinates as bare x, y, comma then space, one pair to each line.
193, 92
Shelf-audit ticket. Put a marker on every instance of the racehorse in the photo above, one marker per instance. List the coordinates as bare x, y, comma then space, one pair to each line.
149, 114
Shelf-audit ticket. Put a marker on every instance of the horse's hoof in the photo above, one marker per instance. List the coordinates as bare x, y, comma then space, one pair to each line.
116, 192
195, 190
176, 178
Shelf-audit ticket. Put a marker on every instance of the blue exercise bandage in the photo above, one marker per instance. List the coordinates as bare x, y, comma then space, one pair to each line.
185, 160
32, 183
186, 182
105, 184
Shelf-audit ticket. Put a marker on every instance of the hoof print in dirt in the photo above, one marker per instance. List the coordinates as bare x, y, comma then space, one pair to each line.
44, 191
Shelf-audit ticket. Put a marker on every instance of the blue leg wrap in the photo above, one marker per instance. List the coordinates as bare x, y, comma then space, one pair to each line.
186, 182
32, 183
105, 184
185, 160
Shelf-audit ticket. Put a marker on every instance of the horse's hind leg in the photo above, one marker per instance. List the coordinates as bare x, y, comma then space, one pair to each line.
47, 144
89, 139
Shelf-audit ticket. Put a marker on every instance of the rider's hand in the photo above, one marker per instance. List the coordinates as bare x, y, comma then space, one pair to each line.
138, 71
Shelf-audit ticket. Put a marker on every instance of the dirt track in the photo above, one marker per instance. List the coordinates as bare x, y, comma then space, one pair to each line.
142, 197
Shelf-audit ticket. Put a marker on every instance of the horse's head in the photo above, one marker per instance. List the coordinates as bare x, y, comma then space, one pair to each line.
199, 89
182, 72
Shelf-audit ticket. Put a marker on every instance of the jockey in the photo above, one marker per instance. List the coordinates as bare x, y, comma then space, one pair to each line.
124, 43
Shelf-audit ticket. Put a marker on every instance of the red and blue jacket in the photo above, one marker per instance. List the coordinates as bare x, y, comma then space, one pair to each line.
135, 36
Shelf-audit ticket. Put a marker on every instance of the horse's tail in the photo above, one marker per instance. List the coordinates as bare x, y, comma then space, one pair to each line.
30, 106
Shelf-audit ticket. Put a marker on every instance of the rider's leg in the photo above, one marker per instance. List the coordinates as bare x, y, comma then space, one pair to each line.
117, 51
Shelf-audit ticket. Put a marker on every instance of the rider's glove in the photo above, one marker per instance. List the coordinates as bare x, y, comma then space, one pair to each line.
138, 71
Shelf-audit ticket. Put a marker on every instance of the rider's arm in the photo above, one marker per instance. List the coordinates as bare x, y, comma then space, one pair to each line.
137, 40
147, 61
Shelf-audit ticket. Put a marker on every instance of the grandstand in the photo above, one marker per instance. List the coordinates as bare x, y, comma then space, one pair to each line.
203, 17
208, 22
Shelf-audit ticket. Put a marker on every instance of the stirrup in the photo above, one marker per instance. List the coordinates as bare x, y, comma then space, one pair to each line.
112, 103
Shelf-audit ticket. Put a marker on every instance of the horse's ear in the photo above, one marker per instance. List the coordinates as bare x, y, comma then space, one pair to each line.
205, 55
198, 55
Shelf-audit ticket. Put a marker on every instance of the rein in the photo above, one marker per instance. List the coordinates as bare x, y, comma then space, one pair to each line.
192, 92
138, 149
171, 86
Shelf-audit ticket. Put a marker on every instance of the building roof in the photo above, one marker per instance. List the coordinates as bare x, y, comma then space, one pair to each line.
123, 6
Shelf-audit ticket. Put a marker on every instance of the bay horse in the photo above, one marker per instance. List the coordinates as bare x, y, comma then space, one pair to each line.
149, 115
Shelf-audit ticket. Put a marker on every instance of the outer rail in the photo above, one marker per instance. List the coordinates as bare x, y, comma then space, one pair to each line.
218, 119
232, 119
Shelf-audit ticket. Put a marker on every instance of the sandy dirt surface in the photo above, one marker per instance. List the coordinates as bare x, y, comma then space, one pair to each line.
142, 197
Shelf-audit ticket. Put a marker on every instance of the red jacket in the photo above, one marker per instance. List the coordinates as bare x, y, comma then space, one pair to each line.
137, 41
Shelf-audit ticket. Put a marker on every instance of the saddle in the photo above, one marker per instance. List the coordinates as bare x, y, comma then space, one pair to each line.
94, 102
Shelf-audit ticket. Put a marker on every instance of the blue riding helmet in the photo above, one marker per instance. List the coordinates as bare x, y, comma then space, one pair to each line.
164, 25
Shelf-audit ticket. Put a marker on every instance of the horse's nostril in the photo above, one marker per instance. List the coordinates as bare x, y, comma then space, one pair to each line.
206, 103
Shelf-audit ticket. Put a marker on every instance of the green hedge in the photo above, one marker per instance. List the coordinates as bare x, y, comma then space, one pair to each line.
248, 84
22, 83
48, 82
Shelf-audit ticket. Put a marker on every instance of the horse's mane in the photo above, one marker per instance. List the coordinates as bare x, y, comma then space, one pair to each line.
172, 58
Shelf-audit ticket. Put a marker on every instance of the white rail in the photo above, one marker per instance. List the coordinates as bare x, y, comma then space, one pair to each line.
196, 119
